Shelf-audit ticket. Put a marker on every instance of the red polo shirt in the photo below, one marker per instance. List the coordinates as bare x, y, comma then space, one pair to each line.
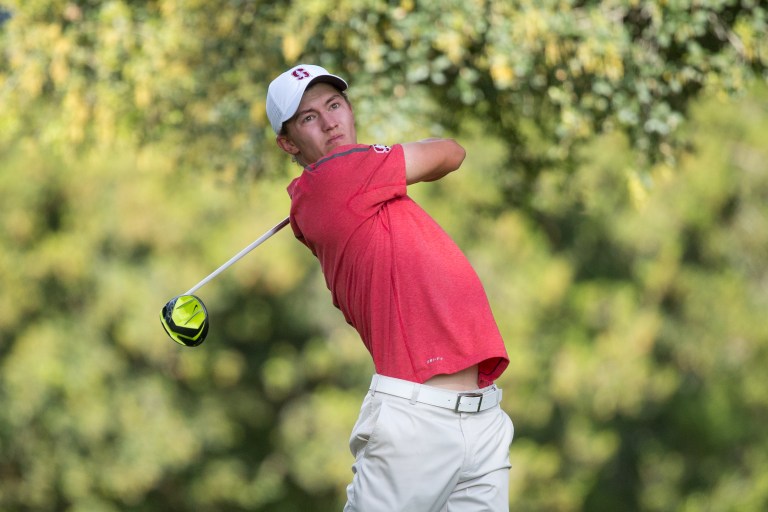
399, 279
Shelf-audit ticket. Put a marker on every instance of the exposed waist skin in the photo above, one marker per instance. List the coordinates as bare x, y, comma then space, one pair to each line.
460, 381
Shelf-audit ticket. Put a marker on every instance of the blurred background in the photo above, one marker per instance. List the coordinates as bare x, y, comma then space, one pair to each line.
614, 201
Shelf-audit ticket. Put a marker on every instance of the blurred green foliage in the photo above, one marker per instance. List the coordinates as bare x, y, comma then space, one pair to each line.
614, 201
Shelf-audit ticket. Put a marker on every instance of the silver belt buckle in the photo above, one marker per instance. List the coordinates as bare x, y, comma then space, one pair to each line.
468, 395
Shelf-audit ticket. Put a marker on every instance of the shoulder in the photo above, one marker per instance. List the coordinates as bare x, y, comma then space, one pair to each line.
354, 152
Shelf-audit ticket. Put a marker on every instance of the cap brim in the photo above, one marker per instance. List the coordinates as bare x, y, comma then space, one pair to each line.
329, 79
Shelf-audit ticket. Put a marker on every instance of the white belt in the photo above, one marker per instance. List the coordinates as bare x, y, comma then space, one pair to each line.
464, 401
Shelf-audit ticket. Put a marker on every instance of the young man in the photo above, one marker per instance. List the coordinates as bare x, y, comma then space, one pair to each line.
431, 435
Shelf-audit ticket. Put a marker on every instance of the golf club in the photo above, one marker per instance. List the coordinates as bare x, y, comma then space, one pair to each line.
185, 317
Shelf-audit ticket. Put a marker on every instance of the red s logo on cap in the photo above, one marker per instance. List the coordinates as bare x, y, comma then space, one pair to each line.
300, 74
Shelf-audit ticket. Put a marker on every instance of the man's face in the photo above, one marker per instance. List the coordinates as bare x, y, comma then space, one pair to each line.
323, 122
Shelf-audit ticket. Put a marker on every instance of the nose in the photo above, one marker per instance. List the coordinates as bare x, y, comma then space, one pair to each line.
329, 121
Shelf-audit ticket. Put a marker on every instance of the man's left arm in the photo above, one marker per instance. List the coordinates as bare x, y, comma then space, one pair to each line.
431, 159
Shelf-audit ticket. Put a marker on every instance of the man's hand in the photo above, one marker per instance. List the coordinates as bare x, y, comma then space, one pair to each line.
431, 159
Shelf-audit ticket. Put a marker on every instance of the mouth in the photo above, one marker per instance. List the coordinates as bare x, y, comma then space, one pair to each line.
336, 139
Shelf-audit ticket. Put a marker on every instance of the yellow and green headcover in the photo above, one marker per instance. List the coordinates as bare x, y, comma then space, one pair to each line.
185, 319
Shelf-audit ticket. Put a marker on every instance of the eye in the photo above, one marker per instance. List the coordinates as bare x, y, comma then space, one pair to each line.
308, 118
335, 105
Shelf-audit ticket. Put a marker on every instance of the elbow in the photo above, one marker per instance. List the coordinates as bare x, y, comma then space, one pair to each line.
455, 156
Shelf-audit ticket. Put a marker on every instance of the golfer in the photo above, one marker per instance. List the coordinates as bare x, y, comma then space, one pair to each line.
431, 435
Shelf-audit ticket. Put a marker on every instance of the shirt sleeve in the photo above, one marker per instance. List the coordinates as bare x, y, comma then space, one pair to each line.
382, 171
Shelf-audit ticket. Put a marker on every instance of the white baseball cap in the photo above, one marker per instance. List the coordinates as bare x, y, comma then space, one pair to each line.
285, 91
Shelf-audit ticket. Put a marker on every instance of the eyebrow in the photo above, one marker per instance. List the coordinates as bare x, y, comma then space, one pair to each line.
300, 113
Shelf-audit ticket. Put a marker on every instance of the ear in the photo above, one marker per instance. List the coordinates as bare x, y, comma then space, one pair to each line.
287, 145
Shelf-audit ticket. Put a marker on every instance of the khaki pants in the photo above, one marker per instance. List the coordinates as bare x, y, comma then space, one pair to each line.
413, 457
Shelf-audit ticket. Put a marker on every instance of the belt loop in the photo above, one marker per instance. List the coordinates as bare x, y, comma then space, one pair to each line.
415, 393
374, 384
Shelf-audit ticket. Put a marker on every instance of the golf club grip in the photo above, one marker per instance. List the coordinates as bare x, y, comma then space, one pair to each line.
239, 255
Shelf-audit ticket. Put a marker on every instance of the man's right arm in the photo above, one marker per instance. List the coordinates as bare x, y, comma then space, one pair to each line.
431, 159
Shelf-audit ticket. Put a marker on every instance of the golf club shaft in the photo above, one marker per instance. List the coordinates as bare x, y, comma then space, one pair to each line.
239, 255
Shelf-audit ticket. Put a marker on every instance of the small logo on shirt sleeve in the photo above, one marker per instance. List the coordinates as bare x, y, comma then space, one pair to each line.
380, 148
